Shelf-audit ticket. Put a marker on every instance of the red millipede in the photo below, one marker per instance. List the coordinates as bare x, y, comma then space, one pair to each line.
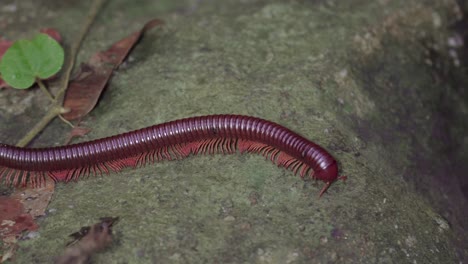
178, 139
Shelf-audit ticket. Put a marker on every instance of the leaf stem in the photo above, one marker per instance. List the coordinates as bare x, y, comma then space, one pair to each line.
44, 89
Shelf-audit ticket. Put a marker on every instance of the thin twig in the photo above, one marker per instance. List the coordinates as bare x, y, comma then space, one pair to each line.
44, 89
49, 116
95, 7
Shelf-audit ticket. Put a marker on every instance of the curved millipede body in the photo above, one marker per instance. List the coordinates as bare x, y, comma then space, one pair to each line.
172, 140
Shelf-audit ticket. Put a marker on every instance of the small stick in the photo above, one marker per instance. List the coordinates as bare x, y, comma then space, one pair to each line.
44, 89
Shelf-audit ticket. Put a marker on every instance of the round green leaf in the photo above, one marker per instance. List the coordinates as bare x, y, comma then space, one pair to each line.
27, 60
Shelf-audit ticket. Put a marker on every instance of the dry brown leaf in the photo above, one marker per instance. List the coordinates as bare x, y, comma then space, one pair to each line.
13, 218
77, 132
36, 200
13, 221
88, 241
84, 91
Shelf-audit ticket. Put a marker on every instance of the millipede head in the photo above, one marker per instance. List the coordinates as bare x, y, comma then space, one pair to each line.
329, 174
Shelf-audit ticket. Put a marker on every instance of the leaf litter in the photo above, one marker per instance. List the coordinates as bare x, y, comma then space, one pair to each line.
88, 241
84, 91
82, 94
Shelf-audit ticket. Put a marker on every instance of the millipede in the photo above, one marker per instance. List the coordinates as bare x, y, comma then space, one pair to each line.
226, 134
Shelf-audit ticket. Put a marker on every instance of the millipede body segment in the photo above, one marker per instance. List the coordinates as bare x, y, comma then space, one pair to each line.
178, 139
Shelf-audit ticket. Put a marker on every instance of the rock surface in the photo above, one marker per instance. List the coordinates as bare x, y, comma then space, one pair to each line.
365, 79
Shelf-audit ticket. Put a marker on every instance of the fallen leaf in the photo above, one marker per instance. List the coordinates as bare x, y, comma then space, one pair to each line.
13, 219
84, 91
53, 33
35, 200
88, 241
76, 132
17, 214
9, 248
4, 45
3, 84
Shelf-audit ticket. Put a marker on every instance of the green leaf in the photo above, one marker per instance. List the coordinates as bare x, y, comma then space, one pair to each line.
28, 60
